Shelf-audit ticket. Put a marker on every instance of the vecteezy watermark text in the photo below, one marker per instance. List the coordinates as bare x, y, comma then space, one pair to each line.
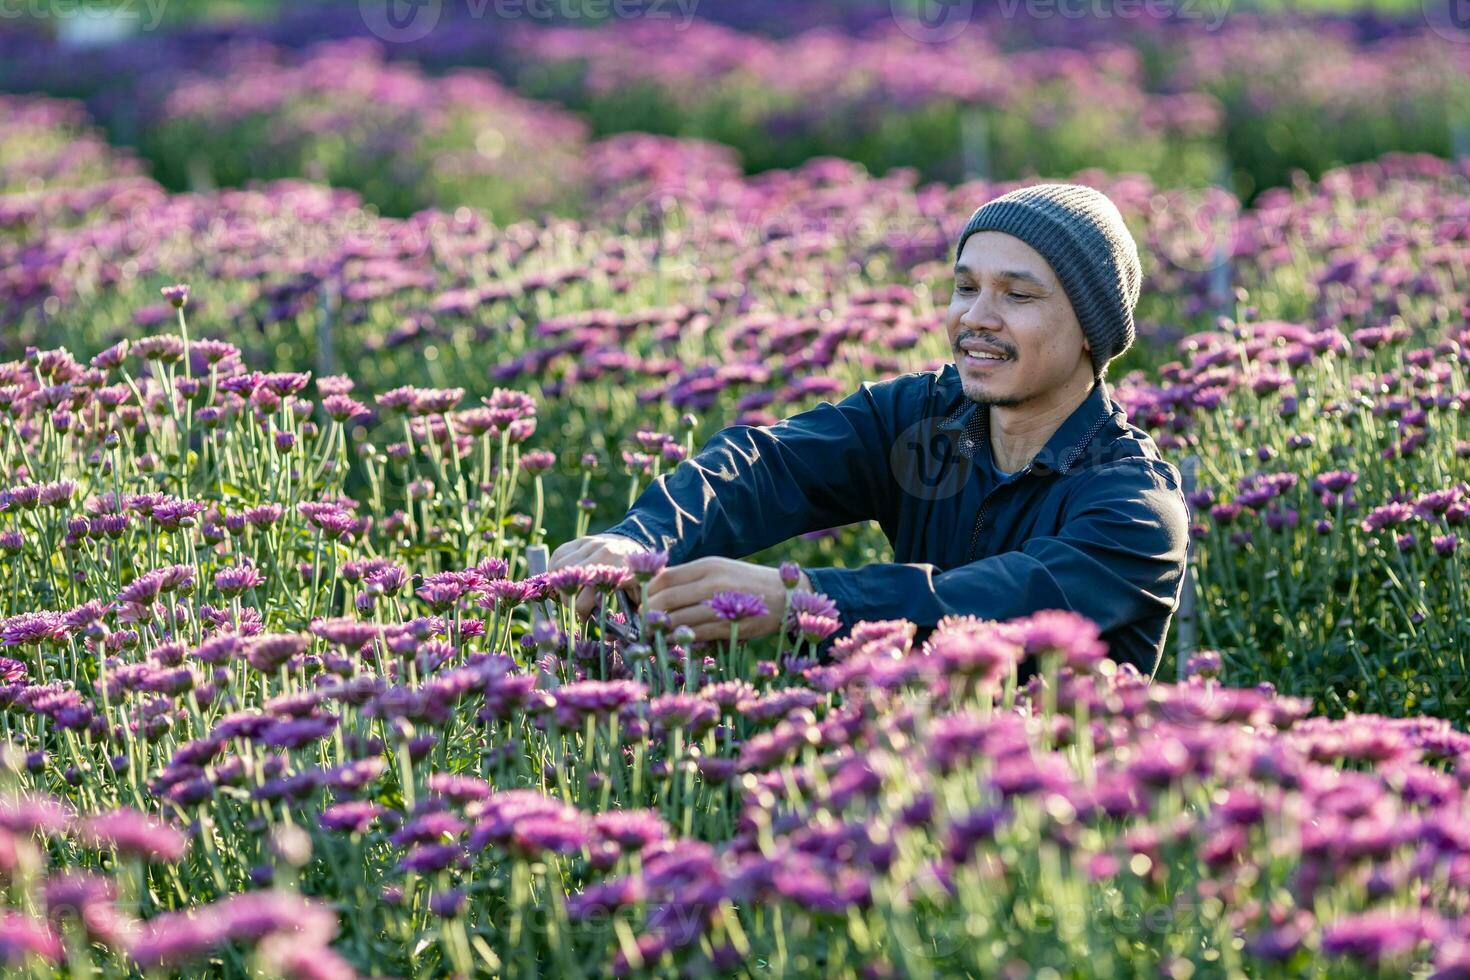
938, 21
593, 9
148, 14
1212, 12
405, 21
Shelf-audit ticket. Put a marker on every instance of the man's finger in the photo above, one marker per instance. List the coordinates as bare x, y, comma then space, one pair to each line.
571, 553
678, 597
695, 617
679, 575
586, 602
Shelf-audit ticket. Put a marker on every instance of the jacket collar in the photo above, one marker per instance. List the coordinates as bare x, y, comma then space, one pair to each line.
1066, 445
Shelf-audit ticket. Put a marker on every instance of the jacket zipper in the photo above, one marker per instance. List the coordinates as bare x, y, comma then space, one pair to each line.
979, 523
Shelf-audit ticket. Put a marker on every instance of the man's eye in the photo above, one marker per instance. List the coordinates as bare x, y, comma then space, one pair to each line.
963, 288
1021, 296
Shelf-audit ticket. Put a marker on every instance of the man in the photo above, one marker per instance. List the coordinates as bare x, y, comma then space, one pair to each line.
1007, 482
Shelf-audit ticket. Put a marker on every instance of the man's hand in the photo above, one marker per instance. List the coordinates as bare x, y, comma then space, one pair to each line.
682, 591
594, 549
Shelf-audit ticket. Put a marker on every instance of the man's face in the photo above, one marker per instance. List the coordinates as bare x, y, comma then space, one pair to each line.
1010, 323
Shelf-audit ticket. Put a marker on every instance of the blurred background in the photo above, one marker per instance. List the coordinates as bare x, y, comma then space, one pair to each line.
374, 95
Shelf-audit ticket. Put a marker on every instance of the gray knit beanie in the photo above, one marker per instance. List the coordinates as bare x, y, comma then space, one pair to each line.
1080, 232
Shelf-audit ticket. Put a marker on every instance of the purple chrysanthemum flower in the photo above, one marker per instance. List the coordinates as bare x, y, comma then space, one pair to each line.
177, 295
429, 858
22, 936
1205, 663
689, 711
736, 606
33, 627
1378, 936
271, 650
507, 593
173, 515
295, 733
388, 580
441, 596
1281, 518
263, 515
57, 493
112, 357
351, 817
219, 649
646, 564
1430, 505
1387, 515
1225, 513
581, 698
538, 461
237, 579
448, 904
459, 788
632, 830
134, 834
566, 832
970, 647
428, 828
811, 602
26, 815
159, 347
351, 777
568, 581
1075, 637
1280, 942
342, 408
175, 938
349, 633
813, 627
607, 578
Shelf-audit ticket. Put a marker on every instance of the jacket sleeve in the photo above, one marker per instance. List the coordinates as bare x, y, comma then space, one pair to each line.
1119, 558
751, 487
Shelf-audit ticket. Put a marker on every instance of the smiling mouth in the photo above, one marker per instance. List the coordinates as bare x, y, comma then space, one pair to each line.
983, 356
972, 351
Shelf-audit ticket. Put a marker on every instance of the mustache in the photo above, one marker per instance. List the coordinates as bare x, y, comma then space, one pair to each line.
987, 344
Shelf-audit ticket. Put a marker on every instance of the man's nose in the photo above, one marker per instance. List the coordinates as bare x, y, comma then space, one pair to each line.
981, 314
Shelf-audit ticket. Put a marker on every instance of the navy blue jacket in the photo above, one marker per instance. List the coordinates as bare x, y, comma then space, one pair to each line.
1096, 523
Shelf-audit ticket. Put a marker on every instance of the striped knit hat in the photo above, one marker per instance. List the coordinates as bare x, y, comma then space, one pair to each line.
1080, 232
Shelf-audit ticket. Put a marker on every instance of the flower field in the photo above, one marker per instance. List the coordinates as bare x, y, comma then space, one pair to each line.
296, 386
252, 719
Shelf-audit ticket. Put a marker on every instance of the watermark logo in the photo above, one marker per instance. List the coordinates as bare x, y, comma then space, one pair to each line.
1450, 19
933, 21
401, 21
927, 461
928, 927
1194, 228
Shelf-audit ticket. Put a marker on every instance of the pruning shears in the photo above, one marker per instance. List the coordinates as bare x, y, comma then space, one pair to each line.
631, 628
